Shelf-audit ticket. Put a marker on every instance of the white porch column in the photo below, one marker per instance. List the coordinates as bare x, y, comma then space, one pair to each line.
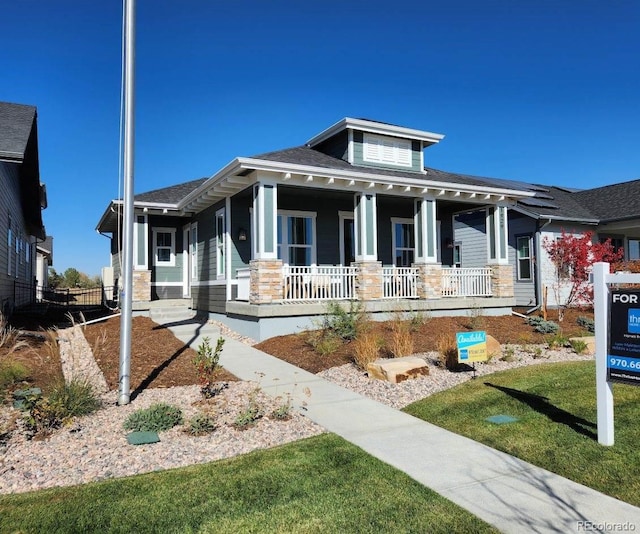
497, 235
366, 231
265, 218
425, 230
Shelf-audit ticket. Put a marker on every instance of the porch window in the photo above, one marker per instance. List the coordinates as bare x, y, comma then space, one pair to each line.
634, 249
164, 240
457, 254
296, 243
220, 248
388, 150
523, 251
403, 242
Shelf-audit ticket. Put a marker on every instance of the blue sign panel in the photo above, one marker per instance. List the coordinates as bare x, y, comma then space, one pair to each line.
623, 354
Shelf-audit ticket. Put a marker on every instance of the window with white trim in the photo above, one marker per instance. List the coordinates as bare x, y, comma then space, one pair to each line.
220, 245
193, 250
634, 249
296, 238
388, 150
403, 242
164, 247
524, 258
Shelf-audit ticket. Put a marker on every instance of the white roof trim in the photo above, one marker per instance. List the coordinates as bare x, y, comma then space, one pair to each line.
377, 128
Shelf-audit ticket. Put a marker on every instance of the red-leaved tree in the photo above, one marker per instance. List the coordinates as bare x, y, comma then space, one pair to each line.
572, 256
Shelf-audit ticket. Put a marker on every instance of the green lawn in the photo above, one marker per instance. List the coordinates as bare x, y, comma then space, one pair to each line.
556, 407
322, 484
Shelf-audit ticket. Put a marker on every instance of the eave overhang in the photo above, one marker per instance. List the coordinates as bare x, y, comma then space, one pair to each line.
243, 172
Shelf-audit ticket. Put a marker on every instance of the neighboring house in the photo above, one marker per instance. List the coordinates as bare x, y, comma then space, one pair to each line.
44, 260
22, 197
612, 212
351, 215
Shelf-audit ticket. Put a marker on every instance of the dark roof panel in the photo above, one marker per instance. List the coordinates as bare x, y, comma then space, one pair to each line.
16, 122
172, 194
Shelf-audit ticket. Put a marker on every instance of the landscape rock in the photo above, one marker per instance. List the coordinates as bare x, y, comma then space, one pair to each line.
494, 348
398, 369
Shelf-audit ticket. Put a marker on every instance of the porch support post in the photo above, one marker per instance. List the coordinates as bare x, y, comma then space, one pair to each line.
265, 219
429, 270
424, 215
497, 235
365, 227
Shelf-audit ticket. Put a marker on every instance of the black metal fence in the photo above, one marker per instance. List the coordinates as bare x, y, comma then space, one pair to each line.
31, 296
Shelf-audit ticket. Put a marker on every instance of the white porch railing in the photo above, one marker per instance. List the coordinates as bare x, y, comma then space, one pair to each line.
458, 282
399, 283
318, 283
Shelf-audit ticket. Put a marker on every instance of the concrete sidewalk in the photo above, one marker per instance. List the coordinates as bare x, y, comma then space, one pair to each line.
508, 493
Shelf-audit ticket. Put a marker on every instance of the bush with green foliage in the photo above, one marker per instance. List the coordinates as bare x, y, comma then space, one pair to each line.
207, 363
11, 372
546, 327
66, 400
578, 345
156, 418
252, 413
201, 424
343, 323
586, 323
557, 340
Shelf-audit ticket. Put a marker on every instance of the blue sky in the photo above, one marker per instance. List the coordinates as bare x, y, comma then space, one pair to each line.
539, 91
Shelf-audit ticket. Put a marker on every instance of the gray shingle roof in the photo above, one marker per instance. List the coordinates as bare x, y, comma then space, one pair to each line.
170, 195
612, 202
16, 121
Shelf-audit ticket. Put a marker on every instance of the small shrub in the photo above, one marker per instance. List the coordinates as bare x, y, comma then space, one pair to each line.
156, 418
343, 323
508, 354
579, 346
66, 400
534, 320
366, 349
447, 351
401, 342
283, 411
252, 413
207, 363
417, 320
556, 341
11, 372
537, 353
586, 323
324, 342
547, 327
475, 315
201, 424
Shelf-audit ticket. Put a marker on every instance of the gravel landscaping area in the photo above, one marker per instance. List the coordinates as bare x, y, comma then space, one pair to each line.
95, 447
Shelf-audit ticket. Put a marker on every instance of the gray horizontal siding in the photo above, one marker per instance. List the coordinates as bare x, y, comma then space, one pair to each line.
470, 232
209, 298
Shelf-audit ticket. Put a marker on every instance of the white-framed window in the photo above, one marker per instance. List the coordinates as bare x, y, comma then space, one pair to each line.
403, 242
164, 247
193, 250
297, 237
220, 244
634, 249
389, 150
524, 258
457, 254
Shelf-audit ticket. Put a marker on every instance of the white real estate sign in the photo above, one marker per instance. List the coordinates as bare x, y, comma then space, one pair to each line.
617, 322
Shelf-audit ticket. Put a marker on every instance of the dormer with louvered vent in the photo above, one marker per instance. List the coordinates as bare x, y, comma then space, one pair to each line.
368, 143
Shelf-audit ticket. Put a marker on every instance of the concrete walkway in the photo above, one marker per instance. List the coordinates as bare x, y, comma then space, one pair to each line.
508, 493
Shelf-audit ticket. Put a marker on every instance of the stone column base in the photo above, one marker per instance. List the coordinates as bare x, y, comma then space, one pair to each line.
429, 280
265, 281
368, 280
141, 286
502, 280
